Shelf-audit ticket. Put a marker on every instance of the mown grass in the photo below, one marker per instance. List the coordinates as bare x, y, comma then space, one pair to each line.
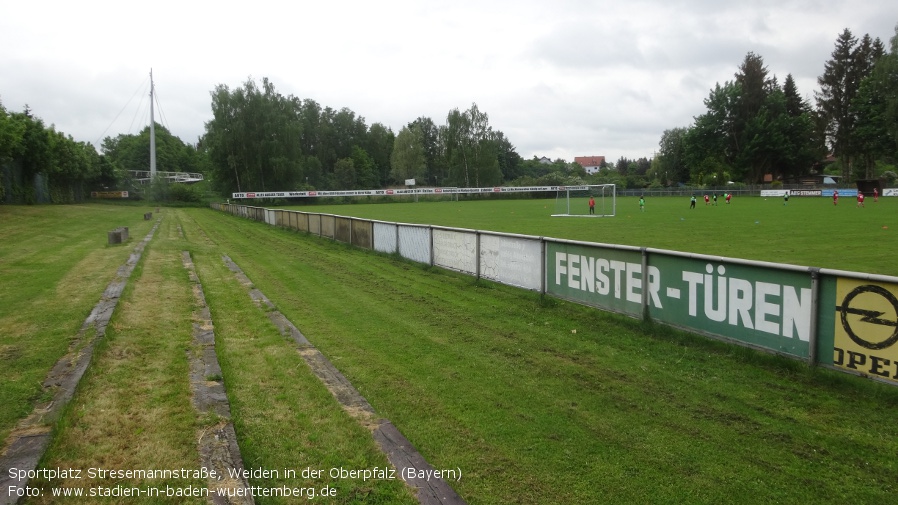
485, 378
494, 381
54, 265
808, 231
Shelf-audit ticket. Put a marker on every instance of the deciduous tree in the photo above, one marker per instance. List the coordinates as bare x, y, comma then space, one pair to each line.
408, 159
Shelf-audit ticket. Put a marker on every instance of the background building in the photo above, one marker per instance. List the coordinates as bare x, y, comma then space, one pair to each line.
591, 164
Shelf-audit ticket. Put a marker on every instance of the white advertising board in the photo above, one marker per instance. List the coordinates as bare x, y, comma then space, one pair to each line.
414, 243
385, 237
455, 250
511, 260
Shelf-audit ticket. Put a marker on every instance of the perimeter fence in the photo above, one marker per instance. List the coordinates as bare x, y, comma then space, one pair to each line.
837, 319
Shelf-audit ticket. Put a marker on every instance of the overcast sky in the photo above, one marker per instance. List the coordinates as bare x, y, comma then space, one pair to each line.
560, 78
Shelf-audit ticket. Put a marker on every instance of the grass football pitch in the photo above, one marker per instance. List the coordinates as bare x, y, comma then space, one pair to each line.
808, 231
533, 400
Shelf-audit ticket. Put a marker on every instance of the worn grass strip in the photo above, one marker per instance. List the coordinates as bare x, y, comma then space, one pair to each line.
494, 381
133, 410
54, 265
286, 420
430, 488
217, 441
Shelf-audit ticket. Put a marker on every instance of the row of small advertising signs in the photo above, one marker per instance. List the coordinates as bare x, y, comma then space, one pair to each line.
402, 192
505, 189
843, 320
822, 192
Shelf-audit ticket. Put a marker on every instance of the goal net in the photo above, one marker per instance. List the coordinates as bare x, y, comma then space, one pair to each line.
573, 201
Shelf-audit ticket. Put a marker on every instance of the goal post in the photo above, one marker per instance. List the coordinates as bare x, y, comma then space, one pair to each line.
573, 201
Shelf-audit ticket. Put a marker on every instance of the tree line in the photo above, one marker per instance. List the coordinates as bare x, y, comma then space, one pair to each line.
755, 126
261, 140
39, 164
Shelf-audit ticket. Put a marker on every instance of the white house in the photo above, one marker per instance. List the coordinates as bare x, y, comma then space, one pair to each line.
591, 164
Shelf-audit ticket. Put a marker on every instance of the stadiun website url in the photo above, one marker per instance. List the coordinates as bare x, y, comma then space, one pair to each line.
171, 492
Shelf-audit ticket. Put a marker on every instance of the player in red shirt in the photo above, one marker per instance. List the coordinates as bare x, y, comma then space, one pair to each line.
836, 197
875, 195
860, 199
706, 200
729, 195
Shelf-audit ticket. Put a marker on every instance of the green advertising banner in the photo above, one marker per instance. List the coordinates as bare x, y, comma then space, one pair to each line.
607, 278
756, 305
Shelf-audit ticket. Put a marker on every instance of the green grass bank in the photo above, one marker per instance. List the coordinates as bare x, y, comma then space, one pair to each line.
534, 400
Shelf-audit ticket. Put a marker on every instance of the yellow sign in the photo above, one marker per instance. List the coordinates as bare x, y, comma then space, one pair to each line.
866, 329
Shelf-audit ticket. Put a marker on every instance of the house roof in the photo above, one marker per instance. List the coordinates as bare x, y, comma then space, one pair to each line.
589, 161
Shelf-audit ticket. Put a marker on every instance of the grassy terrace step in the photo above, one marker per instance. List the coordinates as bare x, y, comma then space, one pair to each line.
133, 409
54, 265
284, 416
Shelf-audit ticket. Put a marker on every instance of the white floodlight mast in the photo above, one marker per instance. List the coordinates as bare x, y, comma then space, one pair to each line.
152, 131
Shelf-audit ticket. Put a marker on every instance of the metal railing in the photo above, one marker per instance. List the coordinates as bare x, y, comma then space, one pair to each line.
143, 176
